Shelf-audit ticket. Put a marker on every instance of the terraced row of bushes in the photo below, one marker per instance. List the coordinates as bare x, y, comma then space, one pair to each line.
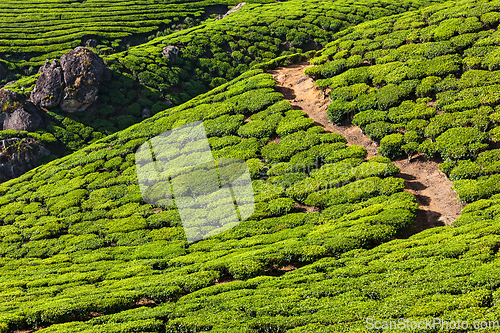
211, 54
421, 82
33, 31
445, 272
78, 241
216, 52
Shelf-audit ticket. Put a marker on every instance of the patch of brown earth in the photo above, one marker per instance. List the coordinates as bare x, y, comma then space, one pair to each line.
439, 204
305, 209
145, 302
226, 281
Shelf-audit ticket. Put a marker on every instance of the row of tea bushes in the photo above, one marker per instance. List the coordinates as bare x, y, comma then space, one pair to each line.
79, 244
430, 89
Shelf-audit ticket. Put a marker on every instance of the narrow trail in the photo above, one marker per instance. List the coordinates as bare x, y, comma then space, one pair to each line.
439, 204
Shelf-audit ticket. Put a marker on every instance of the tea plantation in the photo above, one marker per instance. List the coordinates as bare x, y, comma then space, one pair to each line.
33, 31
327, 245
78, 241
210, 54
426, 82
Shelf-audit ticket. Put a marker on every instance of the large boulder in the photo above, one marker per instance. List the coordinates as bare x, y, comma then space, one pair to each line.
49, 87
84, 72
17, 114
77, 79
18, 156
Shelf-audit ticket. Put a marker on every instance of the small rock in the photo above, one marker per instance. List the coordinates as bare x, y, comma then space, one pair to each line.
91, 42
146, 113
168, 103
17, 114
302, 79
8, 98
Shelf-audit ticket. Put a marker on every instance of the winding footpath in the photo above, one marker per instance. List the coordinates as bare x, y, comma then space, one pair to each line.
439, 204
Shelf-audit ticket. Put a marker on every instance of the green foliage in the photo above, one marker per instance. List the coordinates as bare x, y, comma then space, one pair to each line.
260, 128
461, 143
379, 129
81, 251
390, 145
355, 192
465, 169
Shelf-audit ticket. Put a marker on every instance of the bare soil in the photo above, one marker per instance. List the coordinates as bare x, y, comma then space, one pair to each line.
439, 204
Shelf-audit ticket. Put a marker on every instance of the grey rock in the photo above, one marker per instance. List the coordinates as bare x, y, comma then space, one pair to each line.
21, 120
168, 103
18, 157
8, 99
83, 72
73, 84
91, 42
146, 113
44, 66
49, 87
17, 114
171, 52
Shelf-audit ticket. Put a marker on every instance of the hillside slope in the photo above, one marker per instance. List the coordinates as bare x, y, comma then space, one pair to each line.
437, 201
33, 31
430, 89
79, 245
145, 81
81, 250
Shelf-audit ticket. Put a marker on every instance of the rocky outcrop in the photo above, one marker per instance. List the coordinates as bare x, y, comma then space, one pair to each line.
84, 72
74, 83
170, 52
18, 156
18, 114
49, 86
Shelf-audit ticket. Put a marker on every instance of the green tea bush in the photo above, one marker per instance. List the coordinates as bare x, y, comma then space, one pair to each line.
379, 129
354, 192
281, 206
288, 126
260, 128
364, 118
408, 111
390, 145
465, 169
224, 125
461, 143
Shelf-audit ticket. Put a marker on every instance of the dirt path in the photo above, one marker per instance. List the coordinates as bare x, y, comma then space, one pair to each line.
438, 202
